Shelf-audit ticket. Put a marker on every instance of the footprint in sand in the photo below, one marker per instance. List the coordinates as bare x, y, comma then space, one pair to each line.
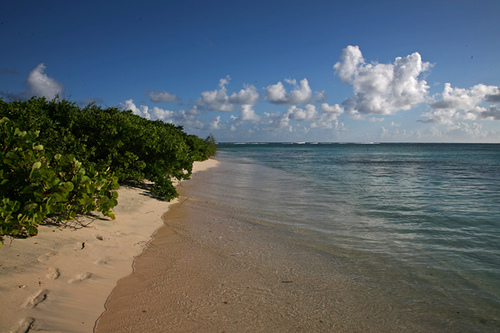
102, 261
45, 257
24, 325
80, 277
98, 237
53, 273
36, 299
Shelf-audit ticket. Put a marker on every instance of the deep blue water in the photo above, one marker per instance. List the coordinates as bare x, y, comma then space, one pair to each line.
429, 209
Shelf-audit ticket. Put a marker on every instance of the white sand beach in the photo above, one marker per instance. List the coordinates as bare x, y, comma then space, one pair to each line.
59, 280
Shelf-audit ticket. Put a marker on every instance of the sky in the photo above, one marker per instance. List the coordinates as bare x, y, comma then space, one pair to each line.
267, 71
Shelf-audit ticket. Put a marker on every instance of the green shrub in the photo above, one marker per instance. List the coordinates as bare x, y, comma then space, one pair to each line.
34, 186
70, 159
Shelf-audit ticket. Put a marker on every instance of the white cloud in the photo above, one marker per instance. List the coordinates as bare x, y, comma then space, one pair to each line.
328, 118
306, 118
142, 111
162, 97
184, 118
458, 104
351, 58
492, 113
278, 120
187, 120
194, 110
218, 100
396, 134
465, 132
247, 96
302, 94
309, 113
326, 121
334, 110
162, 114
43, 86
247, 113
224, 81
215, 124
276, 93
382, 89
319, 96
465, 99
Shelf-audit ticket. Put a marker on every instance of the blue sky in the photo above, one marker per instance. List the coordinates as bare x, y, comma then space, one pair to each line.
328, 71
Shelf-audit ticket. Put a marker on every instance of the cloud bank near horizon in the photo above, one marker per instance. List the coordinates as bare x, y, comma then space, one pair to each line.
379, 91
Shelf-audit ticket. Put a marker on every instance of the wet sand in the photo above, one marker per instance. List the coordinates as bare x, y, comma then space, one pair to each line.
210, 269
59, 280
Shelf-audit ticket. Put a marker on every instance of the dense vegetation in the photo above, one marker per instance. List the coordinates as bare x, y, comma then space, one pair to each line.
58, 160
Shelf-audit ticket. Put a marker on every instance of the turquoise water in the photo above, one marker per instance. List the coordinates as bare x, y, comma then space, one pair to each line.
425, 215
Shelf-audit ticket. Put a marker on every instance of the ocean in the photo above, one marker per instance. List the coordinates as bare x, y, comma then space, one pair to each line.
414, 225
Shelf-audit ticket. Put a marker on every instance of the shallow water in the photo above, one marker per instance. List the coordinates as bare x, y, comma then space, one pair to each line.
333, 238
419, 224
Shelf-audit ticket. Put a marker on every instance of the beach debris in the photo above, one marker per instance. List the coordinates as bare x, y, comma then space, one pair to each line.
36, 299
286, 281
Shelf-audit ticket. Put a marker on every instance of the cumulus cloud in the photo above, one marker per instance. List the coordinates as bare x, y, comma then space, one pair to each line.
159, 113
492, 113
184, 118
247, 113
442, 116
142, 110
464, 131
302, 94
464, 99
276, 93
188, 120
350, 60
463, 104
328, 118
41, 85
215, 123
306, 118
382, 89
194, 110
277, 120
247, 96
308, 113
162, 97
333, 110
493, 97
219, 100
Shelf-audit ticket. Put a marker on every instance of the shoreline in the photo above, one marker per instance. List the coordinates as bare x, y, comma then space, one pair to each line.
218, 265
72, 269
